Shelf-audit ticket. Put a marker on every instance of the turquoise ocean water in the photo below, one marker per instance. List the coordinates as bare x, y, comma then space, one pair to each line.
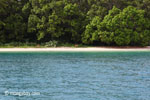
75, 76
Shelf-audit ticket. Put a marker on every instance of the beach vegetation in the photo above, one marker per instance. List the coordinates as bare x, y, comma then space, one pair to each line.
85, 22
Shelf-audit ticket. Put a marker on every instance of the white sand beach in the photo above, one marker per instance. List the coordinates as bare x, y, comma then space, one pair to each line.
87, 49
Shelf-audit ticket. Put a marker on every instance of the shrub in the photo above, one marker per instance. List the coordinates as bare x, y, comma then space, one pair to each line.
51, 43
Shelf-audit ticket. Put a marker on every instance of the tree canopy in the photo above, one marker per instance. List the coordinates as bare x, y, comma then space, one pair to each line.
92, 22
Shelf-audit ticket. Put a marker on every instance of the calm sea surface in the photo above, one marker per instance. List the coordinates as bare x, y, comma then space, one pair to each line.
75, 76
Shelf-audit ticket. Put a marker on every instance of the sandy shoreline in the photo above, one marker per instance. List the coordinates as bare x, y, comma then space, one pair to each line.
72, 49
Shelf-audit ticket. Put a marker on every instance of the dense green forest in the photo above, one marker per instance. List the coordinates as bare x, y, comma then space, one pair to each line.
90, 22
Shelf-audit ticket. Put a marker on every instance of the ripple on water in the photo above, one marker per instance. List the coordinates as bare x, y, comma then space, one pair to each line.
76, 76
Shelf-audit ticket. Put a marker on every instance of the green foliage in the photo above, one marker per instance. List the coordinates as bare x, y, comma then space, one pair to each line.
12, 25
51, 43
106, 31
110, 22
72, 22
96, 10
17, 44
15, 22
91, 31
126, 27
130, 27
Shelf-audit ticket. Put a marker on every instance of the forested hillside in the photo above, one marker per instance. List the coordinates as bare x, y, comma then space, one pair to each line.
91, 22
